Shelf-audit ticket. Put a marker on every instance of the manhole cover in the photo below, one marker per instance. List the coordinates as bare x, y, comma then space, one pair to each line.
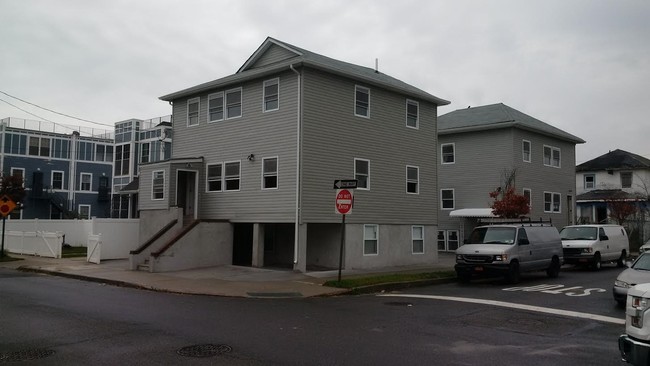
204, 350
25, 355
398, 303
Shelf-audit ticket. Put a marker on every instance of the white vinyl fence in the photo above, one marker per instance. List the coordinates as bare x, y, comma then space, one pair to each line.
110, 238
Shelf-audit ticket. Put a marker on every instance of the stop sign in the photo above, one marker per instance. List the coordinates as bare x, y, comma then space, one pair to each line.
344, 199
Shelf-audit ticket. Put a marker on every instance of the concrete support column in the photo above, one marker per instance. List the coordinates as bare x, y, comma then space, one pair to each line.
301, 265
258, 245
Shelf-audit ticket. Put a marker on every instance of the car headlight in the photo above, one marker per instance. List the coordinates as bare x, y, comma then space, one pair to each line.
500, 257
623, 284
587, 250
459, 257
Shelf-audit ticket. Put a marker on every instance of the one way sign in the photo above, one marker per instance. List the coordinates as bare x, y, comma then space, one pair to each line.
345, 183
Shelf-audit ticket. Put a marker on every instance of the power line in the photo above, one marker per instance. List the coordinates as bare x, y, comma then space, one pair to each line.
35, 115
49, 110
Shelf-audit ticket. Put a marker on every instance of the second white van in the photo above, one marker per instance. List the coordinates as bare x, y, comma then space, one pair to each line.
594, 244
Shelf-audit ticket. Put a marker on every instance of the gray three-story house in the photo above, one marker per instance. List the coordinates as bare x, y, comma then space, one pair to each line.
480, 146
255, 157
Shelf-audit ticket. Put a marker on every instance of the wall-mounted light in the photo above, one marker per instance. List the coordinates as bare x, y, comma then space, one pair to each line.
251, 157
188, 165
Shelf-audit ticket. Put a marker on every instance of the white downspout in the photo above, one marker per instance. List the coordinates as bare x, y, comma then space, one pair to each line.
296, 240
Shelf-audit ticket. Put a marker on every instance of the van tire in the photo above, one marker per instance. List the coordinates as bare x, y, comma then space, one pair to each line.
621, 261
513, 272
554, 269
596, 264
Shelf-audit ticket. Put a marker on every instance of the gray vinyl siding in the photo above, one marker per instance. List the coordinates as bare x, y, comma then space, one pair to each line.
144, 200
270, 134
333, 136
272, 55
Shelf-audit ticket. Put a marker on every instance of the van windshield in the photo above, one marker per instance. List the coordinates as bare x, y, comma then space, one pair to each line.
493, 235
579, 233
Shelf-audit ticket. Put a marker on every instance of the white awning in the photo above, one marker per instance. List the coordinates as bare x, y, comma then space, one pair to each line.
472, 212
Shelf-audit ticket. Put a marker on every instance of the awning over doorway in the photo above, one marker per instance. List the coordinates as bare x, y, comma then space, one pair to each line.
472, 212
132, 187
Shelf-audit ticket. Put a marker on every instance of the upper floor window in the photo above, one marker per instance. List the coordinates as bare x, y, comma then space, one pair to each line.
193, 112
15, 144
362, 173
215, 107
551, 156
103, 152
39, 146
269, 173
361, 101
626, 179
412, 179
448, 153
233, 103
590, 181
85, 184
525, 150
447, 199
271, 95
232, 176
552, 202
62, 149
158, 185
85, 151
144, 152
214, 177
122, 160
412, 113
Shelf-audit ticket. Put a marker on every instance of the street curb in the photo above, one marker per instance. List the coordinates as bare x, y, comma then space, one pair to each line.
392, 286
84, 278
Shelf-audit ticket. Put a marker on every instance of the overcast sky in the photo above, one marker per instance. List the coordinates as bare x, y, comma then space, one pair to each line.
582, 66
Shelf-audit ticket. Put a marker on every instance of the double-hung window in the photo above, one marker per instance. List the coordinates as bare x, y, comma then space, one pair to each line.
39, 146
361, 101
233, 103
551, 156
412, 113
57, 179
412, 179
215, 107
528, 193
370, 239
552, 202
193, 111
525, 151
447, 199
85, 184
84, 212
158, 185
362, 173
590, 181
626, 179
448, 153
270, 173
271, 95
214, 177
232, 176
417, 239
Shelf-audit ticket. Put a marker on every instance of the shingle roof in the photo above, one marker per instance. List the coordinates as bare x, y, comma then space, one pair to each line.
615, 160
309, 59
606, 194
496, 116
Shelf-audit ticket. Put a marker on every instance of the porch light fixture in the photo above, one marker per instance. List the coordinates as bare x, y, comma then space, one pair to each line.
251, 157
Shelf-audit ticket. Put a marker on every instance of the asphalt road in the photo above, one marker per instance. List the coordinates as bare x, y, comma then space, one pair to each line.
58, 321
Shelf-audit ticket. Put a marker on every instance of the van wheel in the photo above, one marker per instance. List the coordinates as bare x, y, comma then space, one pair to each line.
513, 272
596, 265
621, 261
554, 270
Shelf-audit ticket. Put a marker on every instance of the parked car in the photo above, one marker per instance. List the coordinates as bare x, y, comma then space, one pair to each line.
508, 250
645, 247
594, 244
638, 272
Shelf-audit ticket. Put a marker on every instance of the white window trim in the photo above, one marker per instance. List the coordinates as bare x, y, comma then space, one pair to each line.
447, 236
364, 241
530, 195
62, 179
187, 115
442, 161
89, 210
620, 175
453, 201
407, 179
223, 106
530, 151
241, 104
584, 181
81, 182
207, 182
277, 173
270, 81
553, 148
12, 170
153, 177
355, 173
417, 117
553, 194
359, 87
224, 184
413, 239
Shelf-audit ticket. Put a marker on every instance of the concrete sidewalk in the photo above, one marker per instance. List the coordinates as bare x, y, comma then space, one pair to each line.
216, 281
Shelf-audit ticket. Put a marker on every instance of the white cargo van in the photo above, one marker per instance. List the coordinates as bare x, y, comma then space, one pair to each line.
509, 249
594, 244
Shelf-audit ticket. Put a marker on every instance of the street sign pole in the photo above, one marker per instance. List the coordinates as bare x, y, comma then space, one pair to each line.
2, 250
341, 250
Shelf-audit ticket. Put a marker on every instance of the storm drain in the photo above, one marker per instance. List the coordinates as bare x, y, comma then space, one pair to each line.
25, 355
204, 350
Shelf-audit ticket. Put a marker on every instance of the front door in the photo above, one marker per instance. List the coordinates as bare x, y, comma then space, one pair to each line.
186, 192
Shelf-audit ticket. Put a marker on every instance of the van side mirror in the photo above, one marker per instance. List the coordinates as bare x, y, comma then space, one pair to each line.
523, 242
604, 237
